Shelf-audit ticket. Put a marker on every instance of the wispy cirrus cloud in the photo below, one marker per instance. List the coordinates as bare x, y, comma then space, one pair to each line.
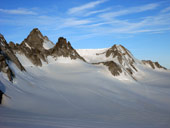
130, 10
85, 7
97, 11
19, 11
98, 21
166, 10
75, 22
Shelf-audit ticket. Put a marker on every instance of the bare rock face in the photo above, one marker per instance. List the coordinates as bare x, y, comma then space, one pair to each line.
64, 48
6, 50
153, 65
12, 45
32, 47
114, 68
123, 56
6, 55
35, 39
120, 52
119, 60
4, 67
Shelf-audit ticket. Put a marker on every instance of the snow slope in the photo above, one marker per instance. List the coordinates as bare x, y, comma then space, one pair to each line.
47, 44
69, 93
90, 55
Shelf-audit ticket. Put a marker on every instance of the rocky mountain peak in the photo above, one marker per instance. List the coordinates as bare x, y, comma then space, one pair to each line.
3, 42
62, 40
33, 47
35, 39
36, 32
64, 48
118, 57
12, 45
123, 56
37, 48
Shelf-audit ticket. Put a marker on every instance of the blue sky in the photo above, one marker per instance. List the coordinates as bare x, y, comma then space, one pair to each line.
142, 26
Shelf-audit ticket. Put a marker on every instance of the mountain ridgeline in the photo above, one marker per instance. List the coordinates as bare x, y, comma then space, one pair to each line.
37, 48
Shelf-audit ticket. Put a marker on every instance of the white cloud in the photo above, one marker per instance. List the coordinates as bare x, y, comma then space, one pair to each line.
85, 7
74, 22
97, 11
21, 11
166, 10
131, 10
95, 25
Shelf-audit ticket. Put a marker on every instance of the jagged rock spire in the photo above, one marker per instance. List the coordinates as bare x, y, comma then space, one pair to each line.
64, 48
33, 47
35, 39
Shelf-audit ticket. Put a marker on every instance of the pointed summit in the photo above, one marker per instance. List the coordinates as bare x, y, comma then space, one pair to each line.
32, 47
118, 60
121, 53
64, 48
123, 56
37, 48
34, 39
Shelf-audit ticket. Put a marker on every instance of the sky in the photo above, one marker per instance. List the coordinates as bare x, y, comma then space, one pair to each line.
142, 26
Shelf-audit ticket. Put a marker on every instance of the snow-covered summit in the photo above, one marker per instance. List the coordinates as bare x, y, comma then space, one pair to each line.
118, 60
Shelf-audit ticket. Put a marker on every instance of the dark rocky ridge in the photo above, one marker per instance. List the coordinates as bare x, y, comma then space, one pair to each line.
120, 54
4, 67
115, 52
35, 39
64, 48
8, 52
6, 55
114, 68
32, 48
123, 61
153, 64
123, 56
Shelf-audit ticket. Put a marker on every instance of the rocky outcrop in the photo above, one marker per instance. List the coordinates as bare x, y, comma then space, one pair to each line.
114, 68
64, 48
36, 48
34, 40
122, 57
120, 52
6, 50
7, 55
4, 67
32, 47
153, 65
